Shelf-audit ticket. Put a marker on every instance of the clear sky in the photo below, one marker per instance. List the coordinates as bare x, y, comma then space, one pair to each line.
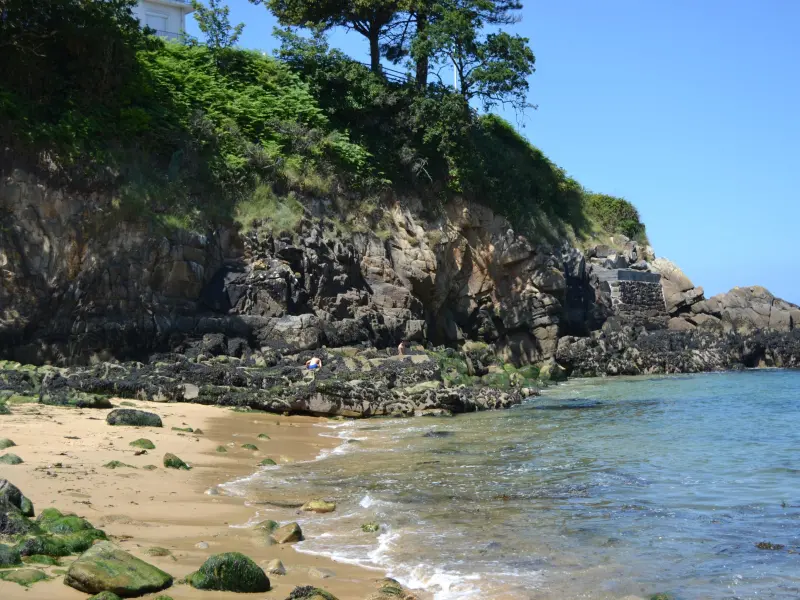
690, 109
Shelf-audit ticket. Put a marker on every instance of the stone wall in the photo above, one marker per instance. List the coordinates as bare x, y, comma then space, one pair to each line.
638, 298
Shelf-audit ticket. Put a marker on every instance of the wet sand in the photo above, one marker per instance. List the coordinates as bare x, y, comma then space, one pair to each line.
64, 450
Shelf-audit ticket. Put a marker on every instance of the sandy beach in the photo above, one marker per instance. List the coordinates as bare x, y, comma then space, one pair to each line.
65, 450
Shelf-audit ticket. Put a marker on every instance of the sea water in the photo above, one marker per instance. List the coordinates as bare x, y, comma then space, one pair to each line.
607, 488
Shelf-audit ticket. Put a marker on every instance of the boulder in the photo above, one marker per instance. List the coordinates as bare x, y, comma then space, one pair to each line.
143, 443
24, 577
230, 572
11, 497
173, 462
104, 567
275, 567
133, 417
309, 592
552, 371
288, 534
679, 324
672, 273
319, 506
6, 443
9, 556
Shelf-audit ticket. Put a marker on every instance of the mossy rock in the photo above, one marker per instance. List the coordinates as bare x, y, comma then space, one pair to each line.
11, 459
18, 399
9, 556
6, 443
4, 410
371, 527
263, 436
143, 443
61, 545
183, 429
221, 449
309, 592
13, 522
230, 572
115, 464
267, 462
288, 534
319, 506
26, 507
76, 400
269, 526
41, 559
250, 447
173, 462
133, 418
105, 596
53, 521
104, 567
24, 577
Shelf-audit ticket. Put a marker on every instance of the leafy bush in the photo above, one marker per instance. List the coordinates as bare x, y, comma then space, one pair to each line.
616, 215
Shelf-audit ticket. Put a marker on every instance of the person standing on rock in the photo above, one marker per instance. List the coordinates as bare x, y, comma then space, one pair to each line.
313, 364
401, 348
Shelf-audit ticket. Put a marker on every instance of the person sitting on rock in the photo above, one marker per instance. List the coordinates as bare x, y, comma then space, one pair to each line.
313, 364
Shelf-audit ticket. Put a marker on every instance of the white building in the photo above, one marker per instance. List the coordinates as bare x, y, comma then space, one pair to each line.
167, 17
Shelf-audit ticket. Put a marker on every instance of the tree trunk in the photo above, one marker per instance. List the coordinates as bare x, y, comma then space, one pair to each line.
375, 50
422, 61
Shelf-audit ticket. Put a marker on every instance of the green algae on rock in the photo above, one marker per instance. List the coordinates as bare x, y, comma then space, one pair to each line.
52, 520
263, 436
105, 596
10, 496
183, 429
10, 459
267, 462
319, 506
116, 464
250, 447
173, 462
104, 567
6, 443
41, 559
9, 556
143, 443
24, 577
288, 534
309, 592
230, 572
221, 449
269, 526
158, 551
371, 527
60, 545
133, 417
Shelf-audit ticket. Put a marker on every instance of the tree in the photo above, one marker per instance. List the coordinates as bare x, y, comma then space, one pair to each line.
492, 67
370, 18
215, 24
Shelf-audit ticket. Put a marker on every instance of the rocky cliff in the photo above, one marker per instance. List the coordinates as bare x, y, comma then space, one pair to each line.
79, 285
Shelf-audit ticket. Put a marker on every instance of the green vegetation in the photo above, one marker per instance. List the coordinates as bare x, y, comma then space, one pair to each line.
173, 462
24, 577
249, 447
188, 136
371, 527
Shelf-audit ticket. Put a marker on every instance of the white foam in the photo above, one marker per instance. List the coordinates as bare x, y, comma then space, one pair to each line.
366, 501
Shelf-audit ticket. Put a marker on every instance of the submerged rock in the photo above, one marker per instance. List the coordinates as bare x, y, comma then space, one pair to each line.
319, 506
104, 567
133, 417
230, 572
288, 534
390, 589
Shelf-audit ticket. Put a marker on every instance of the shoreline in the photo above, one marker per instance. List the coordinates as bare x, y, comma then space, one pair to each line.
166, 508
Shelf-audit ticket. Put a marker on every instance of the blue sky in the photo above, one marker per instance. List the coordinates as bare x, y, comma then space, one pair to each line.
690, 109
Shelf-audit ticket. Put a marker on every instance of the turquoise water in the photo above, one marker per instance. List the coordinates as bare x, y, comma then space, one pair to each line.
599, 489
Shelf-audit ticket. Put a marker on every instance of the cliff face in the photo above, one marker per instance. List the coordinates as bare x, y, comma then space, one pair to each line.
78, 283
